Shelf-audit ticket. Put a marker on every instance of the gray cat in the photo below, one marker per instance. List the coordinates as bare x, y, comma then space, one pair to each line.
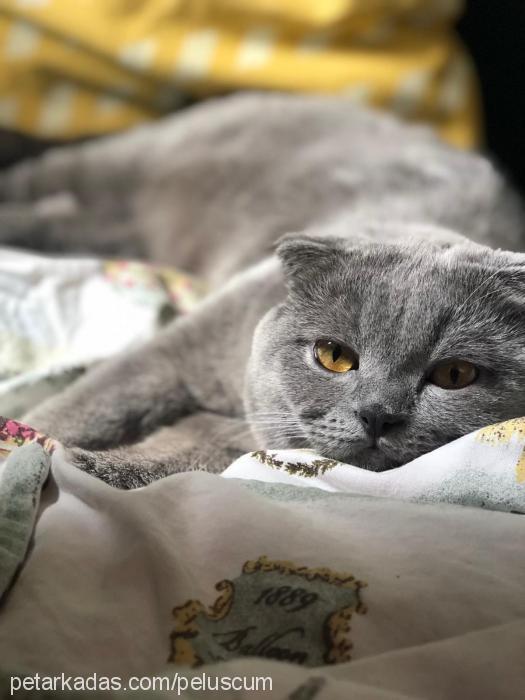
377, 333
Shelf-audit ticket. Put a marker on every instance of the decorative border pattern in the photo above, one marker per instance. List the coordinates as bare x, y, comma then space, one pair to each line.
186, 627
307, 469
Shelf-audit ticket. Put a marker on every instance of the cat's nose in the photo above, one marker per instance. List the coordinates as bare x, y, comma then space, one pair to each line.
377, 421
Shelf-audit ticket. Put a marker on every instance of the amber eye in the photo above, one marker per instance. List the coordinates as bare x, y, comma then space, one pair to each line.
334, 356
454, 374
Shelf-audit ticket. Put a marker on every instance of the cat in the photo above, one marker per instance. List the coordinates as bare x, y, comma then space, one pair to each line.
385, 325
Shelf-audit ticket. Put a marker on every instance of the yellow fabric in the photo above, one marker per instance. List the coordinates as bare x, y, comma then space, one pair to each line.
76, 67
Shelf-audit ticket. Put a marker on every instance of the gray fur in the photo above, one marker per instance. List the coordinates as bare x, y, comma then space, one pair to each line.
384, 268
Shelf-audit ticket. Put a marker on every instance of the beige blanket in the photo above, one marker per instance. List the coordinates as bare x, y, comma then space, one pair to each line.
328, 595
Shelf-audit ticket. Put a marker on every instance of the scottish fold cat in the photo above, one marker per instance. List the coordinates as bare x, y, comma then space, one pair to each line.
389, 321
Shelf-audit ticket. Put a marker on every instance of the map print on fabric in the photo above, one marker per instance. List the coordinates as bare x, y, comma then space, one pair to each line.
275, 610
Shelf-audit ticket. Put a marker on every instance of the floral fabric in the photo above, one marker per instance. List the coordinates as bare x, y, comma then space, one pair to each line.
485, 469
14, 434
58, 316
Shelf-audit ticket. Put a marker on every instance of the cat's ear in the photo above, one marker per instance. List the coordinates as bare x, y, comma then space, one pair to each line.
504, 274
305, 258
512, 275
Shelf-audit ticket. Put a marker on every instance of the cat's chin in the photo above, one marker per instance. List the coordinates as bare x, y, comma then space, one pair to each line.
370, 458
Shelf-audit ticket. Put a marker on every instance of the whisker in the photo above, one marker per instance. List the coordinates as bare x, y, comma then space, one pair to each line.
270, 414
276, 423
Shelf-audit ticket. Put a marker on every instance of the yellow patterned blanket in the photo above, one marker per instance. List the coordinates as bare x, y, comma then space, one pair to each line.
93, 66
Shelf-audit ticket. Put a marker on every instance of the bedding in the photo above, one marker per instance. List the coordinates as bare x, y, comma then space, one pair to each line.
60, 315
95, 66
332, 581
330, 595
485, 469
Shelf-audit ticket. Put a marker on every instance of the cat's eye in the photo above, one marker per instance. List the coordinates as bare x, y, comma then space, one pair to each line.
334, 356
454, 374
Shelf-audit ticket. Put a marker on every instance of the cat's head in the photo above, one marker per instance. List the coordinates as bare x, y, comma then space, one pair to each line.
383, 352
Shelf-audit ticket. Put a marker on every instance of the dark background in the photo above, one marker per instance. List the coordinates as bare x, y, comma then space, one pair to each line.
494, 31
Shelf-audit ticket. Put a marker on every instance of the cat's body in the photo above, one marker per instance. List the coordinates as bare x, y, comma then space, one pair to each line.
211, 190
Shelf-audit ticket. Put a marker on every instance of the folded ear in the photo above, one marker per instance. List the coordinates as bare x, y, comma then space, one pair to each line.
507, 273
305, 258
514, 279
